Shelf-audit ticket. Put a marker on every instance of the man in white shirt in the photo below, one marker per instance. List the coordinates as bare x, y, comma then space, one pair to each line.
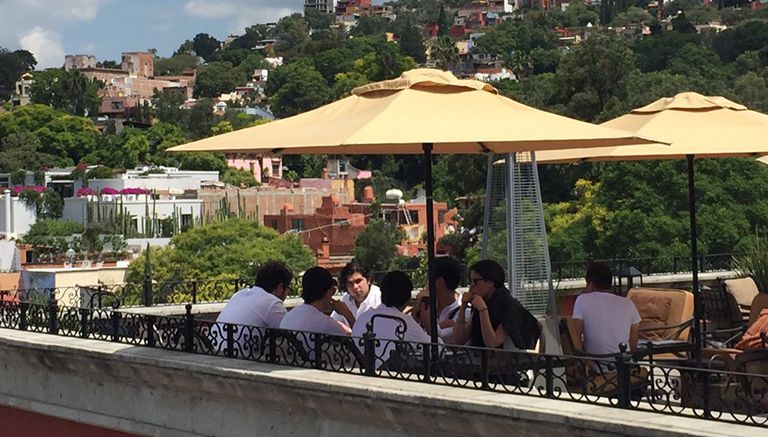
603, 319
260, 306
361, 295
447, 277
389, 321
317, 288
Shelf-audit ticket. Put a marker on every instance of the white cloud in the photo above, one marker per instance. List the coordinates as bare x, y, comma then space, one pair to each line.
243, 13
46, 19
210, 9
45, 45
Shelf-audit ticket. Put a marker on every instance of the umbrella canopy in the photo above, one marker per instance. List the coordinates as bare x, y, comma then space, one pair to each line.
423, 111
422, 106
693, 125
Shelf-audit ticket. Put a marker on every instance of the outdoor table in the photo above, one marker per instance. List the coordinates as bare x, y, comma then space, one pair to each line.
678, 349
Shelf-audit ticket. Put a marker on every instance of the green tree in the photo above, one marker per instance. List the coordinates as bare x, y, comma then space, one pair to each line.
332, 62
376, 246
296, 87
200, 119
168, 106
593, 73
68, 91
230, 248
20, 150
205, 45
12, 66
751, 90
318, 20
175, 65
345, 83
385, 63
633, 15
238, 177
411, 41
292, 33
444, 52
655, 52
216, 78
370, 25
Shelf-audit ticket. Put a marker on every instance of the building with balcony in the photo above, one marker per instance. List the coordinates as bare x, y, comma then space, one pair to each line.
327, 6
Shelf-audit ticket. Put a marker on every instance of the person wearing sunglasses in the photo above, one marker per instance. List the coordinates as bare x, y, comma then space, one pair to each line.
497, 319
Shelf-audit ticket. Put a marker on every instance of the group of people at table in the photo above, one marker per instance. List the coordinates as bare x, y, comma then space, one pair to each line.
485, 316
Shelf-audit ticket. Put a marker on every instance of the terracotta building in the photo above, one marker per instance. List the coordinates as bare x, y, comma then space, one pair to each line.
331, 230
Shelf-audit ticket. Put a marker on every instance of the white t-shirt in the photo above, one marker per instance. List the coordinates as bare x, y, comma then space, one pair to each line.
607, 320
253, 306
373, 300
308, 318
385, 329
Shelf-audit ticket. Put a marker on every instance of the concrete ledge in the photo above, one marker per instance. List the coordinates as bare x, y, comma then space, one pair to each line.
156, 392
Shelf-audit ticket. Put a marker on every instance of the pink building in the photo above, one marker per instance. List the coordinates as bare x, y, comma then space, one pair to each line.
262, 167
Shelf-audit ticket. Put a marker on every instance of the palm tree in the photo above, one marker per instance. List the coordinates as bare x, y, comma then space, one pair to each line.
521, 63
444, 52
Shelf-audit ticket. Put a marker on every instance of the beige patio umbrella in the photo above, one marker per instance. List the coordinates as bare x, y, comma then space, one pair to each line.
424, 111
693, 125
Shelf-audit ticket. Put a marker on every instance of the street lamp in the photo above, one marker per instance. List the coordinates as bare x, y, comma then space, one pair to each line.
629, 272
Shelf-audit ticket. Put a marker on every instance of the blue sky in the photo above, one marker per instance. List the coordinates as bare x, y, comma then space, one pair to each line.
105, 28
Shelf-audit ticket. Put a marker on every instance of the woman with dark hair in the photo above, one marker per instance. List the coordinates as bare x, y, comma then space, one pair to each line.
497, 319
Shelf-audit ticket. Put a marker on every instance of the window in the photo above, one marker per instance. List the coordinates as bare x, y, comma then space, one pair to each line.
273, 224
342, 167
275, 168
186, 221
297, 224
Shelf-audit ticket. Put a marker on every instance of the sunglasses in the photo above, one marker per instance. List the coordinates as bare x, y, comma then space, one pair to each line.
476, 281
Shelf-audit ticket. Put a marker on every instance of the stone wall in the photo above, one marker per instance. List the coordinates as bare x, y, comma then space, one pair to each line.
156, 392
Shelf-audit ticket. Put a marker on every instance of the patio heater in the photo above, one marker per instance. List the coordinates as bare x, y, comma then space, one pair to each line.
514, 233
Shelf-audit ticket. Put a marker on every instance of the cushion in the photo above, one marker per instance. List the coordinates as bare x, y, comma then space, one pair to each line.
743, 289
654, 314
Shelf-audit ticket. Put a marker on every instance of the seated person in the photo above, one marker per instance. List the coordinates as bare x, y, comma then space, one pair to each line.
396, 288
260, 306
603, 319
317, 288
360, 294
447, 276
497, 319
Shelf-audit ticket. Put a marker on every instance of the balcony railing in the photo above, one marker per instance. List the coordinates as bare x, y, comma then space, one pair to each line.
620, 381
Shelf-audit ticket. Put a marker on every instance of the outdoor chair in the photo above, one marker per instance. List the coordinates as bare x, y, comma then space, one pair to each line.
724, 321
746, 391
665, 317
284, 347
594, 374
341, 354
744, 291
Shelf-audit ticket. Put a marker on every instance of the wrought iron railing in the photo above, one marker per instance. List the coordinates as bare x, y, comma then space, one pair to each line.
563, 270
136, 294
619, 380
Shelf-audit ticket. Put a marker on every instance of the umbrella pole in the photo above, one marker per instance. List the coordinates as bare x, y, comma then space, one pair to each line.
694, 264
430, 241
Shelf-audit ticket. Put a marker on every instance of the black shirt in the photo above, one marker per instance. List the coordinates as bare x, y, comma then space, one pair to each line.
503, 309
